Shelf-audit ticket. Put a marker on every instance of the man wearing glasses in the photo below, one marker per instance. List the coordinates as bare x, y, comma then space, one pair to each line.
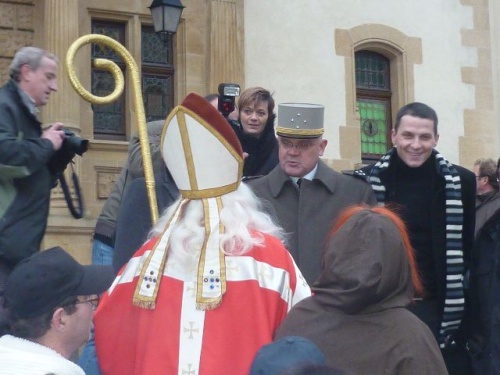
303, 193
51, 299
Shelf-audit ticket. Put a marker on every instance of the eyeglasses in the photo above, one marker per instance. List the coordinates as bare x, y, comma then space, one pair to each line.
300, 146
480, 176
93, 301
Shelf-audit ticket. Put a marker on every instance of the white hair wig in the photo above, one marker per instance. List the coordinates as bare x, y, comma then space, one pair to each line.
241, 215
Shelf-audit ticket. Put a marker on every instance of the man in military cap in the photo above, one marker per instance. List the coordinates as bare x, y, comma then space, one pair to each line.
304, 193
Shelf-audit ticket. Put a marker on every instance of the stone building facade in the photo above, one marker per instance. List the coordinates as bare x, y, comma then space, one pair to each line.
300, 50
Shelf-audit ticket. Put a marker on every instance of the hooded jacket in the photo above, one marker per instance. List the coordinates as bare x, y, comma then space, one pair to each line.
357, 315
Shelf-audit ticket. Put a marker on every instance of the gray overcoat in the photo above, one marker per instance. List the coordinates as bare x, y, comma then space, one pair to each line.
308, 216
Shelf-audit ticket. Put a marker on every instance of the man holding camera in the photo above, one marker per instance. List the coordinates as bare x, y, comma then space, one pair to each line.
28, 157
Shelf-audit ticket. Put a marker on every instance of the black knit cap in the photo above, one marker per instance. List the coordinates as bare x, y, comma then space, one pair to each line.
43, 281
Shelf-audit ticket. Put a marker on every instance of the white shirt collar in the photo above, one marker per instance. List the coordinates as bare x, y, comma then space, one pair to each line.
308, 176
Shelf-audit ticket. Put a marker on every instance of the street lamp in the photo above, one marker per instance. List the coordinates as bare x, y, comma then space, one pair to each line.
166, 16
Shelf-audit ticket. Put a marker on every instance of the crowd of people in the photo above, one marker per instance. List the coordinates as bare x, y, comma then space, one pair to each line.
264, 259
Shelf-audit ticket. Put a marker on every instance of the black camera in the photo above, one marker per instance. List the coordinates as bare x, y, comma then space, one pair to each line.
74, 143
227, 97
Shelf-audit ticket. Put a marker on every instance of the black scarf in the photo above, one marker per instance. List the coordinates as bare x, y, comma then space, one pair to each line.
454, 295
262, 151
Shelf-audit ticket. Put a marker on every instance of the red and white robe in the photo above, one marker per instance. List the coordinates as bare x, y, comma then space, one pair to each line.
175, 337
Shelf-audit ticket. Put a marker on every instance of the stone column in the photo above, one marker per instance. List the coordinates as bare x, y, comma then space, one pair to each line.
226, 43
60, 31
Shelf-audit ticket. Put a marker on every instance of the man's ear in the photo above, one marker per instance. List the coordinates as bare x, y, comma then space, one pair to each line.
58, 321
322, 146
393, 137
24, 71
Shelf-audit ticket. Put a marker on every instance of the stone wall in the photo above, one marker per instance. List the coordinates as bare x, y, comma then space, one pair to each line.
16, 30
200, 43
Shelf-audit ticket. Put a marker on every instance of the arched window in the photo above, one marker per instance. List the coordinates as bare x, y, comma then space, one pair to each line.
373, 100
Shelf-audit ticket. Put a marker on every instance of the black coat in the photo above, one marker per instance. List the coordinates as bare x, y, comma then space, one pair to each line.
262, 152
468, 188
431, 310
25, 178
134, 219
484, 291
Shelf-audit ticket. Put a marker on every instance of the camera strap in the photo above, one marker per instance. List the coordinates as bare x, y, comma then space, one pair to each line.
77, 214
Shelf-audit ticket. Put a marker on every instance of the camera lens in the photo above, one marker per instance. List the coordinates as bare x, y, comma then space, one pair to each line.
78, 145
74, 143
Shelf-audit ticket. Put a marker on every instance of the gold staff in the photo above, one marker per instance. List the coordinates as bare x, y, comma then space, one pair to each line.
117, 74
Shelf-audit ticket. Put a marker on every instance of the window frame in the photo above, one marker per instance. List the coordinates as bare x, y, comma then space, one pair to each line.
384, 95
159, 70
121, 133
133, 42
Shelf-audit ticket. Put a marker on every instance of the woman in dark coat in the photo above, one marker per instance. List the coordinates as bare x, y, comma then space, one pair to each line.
255, 131
357, 316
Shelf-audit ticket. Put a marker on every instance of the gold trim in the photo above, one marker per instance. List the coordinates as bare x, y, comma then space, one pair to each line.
139, 299
205, 193
188, 152
222, 258
215, 133
205, 303
210, 193
203, 253
298, 132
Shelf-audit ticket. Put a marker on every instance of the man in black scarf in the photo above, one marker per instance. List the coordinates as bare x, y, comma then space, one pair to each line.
436, 200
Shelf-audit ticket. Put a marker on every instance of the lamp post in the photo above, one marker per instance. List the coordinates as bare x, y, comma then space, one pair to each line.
166, 16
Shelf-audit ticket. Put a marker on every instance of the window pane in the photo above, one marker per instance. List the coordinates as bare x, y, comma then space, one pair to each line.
154, 51
372, 71
115, 31
109, 119
373, 124
157, 75
157, 93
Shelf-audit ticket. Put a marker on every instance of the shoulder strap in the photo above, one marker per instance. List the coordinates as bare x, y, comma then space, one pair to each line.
77, 214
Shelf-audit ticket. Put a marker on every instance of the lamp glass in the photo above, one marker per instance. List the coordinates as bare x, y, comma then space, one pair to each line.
166, 19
